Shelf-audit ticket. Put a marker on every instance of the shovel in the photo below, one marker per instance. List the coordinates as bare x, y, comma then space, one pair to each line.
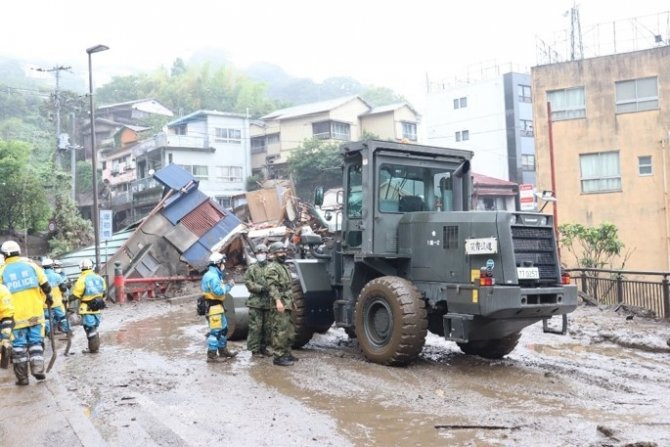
53, 340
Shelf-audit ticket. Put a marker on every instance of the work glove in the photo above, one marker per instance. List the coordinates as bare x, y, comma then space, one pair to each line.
6, 326
49, 300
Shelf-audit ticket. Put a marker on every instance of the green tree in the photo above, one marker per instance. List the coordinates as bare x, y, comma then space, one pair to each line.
381, 96
72, 231
592, 247
315, 163
23, 202
84, 176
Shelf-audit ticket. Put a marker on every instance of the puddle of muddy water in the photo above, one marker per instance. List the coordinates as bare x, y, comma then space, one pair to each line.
379, 406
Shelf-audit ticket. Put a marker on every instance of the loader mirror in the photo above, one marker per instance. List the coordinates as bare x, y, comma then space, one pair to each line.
318, 196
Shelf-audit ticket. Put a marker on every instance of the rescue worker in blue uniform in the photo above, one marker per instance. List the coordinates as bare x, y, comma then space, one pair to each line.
90, 289
30, 289
58, 289
214, 290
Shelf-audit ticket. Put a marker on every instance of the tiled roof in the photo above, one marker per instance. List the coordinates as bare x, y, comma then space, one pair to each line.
311, 108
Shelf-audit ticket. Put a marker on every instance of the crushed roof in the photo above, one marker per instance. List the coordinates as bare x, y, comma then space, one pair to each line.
311, 108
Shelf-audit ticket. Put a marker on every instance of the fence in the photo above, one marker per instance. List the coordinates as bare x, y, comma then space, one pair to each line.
635, 288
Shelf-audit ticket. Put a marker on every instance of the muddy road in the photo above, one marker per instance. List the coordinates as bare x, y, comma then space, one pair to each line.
604, 384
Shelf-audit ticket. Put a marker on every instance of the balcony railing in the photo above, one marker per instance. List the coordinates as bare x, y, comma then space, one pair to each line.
163, 140
145, 184
121, 198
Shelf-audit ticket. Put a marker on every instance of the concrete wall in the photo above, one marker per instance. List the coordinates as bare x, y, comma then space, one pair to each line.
640, 209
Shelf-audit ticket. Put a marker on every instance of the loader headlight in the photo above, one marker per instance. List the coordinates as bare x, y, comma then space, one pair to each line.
543, 220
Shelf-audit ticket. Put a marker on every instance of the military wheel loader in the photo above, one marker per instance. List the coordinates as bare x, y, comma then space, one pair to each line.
411, 257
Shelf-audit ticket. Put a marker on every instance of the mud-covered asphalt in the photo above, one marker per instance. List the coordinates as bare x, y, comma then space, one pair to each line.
604, 384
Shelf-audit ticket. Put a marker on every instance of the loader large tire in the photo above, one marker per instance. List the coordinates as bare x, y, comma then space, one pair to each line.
491, 349
390, 321
303, 334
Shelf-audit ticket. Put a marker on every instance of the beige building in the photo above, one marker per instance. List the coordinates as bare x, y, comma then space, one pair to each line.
610, 122
276, 134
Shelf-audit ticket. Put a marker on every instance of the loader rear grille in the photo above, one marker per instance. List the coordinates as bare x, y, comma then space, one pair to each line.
534, 246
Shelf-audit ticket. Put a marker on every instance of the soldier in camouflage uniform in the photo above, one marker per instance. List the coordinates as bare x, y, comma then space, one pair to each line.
279, 284
260, 306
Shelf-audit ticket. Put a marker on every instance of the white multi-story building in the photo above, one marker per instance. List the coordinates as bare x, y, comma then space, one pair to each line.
493, 118
212, 146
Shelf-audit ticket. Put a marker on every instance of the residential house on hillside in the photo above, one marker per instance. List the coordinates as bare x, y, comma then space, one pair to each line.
492, 116
610, 127
490, 193
133, 112
118, 171
212, 146
276, 134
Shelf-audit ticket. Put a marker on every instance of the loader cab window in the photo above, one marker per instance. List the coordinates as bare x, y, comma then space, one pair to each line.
355, 191
403, 189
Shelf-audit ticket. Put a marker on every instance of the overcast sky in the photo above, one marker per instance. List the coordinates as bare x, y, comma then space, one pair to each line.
386, 43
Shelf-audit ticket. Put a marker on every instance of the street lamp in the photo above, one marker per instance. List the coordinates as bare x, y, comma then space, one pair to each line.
94, 158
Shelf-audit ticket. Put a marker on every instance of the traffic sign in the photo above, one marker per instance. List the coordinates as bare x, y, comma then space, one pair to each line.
105, 225
527, 197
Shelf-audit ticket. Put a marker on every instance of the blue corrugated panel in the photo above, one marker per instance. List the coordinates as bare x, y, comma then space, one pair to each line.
197, 256
230, 222
214, 235
174, 177
187, 203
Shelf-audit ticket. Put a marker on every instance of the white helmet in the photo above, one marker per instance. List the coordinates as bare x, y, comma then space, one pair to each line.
216, 258
85, 264
10, 248
47, 263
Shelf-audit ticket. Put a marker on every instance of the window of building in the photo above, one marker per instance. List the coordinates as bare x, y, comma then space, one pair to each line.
225, 202
463, 135
644, 165
327, 130
170, 158
526, 128
460, 103
198, 171
180, 129
567, 104
228, 135
409, 130
273, 138
528, 162
258, 144
600, 172
229, 173
637, 95
525, 94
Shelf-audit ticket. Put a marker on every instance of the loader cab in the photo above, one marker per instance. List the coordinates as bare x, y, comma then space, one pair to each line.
384, 180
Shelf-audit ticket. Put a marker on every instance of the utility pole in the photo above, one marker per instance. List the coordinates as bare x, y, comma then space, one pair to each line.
57, 69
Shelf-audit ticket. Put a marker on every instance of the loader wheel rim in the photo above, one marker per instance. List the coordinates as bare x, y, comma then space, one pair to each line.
378, 322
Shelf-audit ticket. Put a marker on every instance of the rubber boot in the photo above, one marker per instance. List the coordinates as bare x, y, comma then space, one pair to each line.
213, 358
264, 352
21, 373
37, 369
282, 361
291, 357
94, 343
224, 352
